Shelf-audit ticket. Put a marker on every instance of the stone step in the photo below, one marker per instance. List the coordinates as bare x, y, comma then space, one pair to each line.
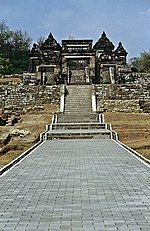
81, 98
71, 126
84, 102
76, 93
79, 134
79, 87
84, 114
72, 98
76, 111
75, 120
79, 94
79, 110
78, 102
76, 106
68, 118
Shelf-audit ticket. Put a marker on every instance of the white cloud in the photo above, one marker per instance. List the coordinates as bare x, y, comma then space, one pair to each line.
145, 12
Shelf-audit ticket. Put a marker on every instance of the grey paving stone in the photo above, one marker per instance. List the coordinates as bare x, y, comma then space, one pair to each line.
76, 185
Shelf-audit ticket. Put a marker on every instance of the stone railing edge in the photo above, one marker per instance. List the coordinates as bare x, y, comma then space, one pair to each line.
139, 156
28, 151
19, 158
62, 98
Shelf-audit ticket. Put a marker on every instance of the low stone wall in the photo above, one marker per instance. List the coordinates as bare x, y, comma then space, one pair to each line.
121, 97
122, 91
110, 97
118, 106
29, 95
12, 76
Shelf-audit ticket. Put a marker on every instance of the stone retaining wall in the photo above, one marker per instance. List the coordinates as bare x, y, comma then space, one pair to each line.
110, 97
121, 97
118, 106
122, 91
29, 95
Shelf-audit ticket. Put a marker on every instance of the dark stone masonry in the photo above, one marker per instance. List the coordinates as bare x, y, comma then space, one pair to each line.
29, 95
109, 97
77, 61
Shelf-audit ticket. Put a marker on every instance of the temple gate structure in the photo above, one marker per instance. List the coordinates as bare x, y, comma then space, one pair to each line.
77, 61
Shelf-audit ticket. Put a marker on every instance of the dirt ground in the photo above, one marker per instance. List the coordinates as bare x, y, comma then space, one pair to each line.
32, 124
10, 81
133, 130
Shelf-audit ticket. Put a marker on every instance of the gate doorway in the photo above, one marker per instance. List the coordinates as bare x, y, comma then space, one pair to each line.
78, 71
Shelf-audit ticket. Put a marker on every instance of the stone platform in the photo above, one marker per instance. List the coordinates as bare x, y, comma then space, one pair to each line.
76, 185
79, 133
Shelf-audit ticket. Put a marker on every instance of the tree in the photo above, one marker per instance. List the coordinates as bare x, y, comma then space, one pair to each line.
142, 63
20, 47
145, 61
5, 39
40, 41
5, 66
14, 50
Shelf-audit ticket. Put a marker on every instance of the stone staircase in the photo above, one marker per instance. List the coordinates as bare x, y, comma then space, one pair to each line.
78, 118
78, 105
78, 121
78, 99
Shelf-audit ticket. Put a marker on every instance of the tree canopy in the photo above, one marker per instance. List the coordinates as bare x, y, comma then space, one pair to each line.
142, 63
14, 50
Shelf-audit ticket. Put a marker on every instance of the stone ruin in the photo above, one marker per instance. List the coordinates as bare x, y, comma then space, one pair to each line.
79, 62
75, 62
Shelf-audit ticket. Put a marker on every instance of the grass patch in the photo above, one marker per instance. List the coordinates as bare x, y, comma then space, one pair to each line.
6, 81
133, 130
35, 122
13, 151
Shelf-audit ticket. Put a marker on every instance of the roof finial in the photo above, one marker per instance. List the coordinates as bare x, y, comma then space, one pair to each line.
71, 37
50, 35
104, 34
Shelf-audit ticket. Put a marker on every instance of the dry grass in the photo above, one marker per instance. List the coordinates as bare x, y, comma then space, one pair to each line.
133, 130
34, 122
6, 81
13, 153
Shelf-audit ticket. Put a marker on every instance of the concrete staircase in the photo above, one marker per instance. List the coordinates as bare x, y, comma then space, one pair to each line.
78, 118
78, 121
78, 105
78, 99
94, 130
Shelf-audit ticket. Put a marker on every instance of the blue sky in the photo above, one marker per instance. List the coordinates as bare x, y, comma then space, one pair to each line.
122, 20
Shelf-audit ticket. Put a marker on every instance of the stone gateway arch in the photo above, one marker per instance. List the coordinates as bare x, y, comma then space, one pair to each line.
77, 61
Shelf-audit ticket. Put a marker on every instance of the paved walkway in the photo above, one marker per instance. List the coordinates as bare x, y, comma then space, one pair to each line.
76, 185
